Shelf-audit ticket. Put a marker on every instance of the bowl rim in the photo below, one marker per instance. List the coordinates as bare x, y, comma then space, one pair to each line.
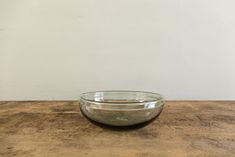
158, 97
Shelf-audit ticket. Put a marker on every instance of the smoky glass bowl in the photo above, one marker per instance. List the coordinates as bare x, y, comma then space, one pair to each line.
121, 108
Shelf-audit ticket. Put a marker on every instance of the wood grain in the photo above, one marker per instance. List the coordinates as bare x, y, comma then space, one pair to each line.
53, 129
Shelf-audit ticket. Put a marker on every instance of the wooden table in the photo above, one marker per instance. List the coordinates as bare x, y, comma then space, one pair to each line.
58, 129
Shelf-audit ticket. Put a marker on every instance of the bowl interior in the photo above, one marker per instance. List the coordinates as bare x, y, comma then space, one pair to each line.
120, 97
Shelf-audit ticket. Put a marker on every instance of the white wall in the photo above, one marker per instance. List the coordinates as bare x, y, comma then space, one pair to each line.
56, 49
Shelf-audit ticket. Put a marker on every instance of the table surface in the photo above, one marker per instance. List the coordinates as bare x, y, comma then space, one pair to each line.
57, 128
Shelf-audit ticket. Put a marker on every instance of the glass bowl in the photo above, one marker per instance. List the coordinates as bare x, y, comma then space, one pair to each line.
121, 108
